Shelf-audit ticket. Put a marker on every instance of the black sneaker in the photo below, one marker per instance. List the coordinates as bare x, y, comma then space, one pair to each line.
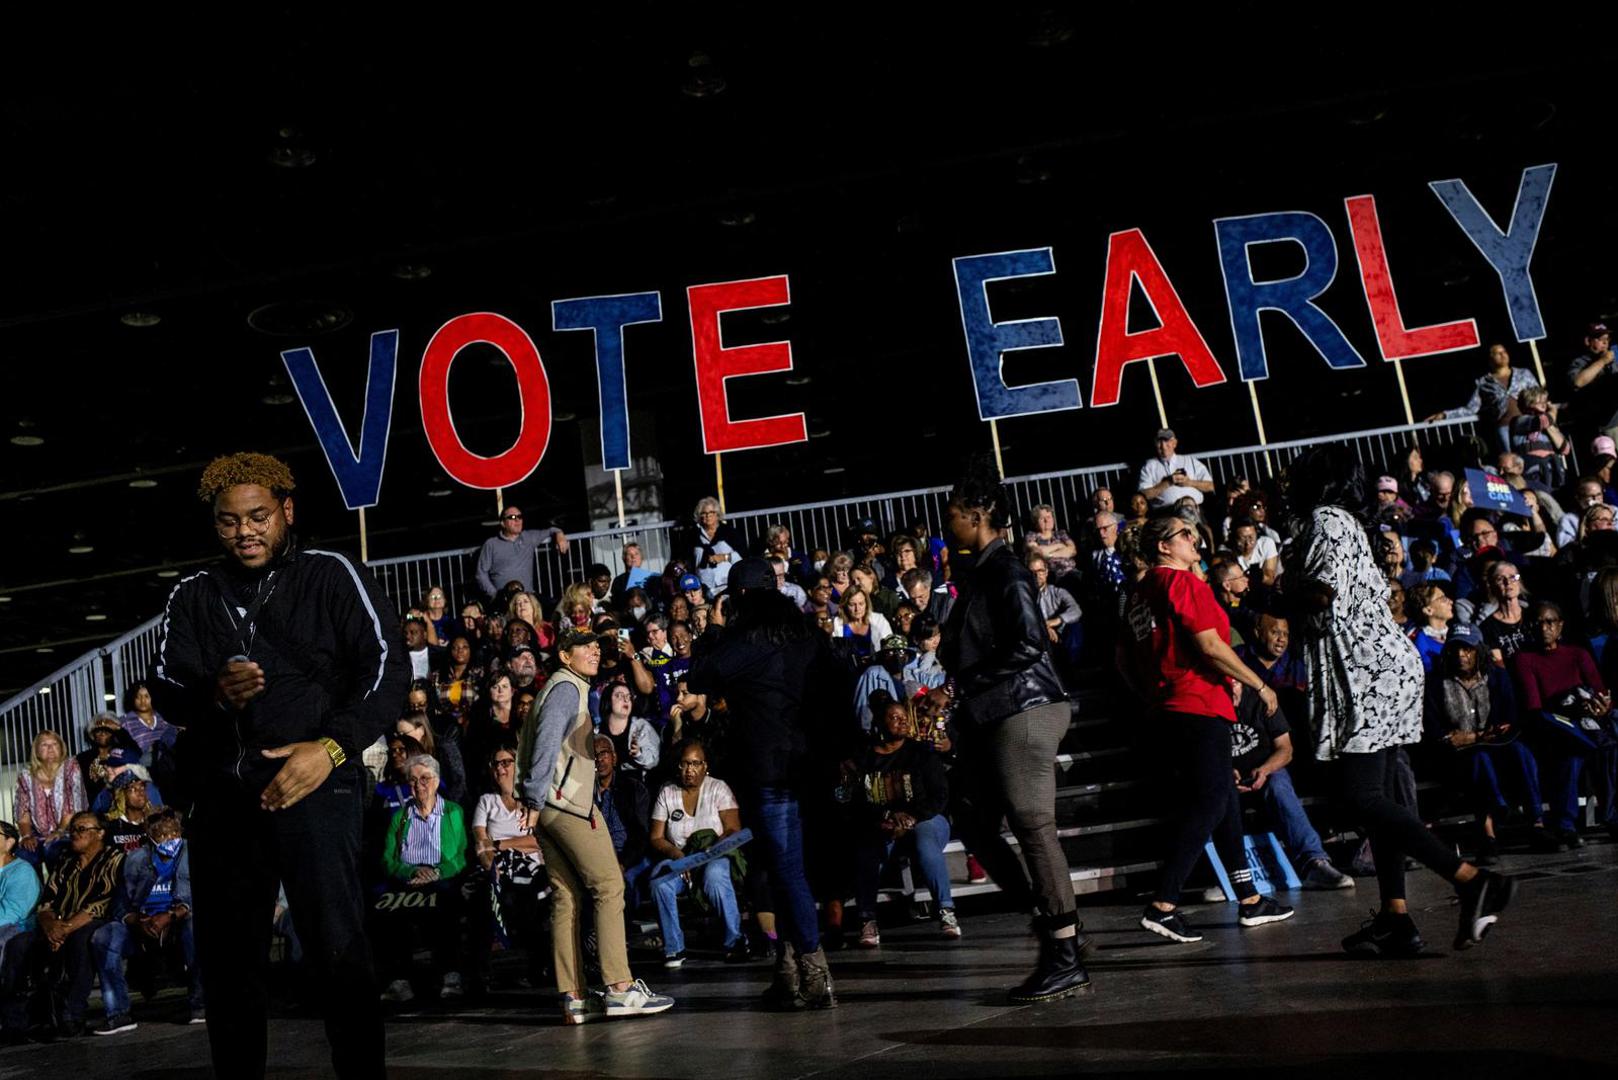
117, 1024
70, 1029
1543, 841
739, 953
1385, 934
1572, 839
1488, 851
1168, 924
1266, 910
674, 961
1482, 900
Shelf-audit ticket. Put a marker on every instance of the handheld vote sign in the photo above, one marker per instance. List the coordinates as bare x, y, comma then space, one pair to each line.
1490, 491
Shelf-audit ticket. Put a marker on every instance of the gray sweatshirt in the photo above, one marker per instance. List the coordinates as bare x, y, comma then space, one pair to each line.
556, 715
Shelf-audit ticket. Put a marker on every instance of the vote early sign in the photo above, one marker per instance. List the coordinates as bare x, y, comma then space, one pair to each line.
1507, 247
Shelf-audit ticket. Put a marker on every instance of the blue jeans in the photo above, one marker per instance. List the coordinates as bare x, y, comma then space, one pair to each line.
777, 828
872, 854
636, 880
114, 942
1483, 771
1297, 832
716, 885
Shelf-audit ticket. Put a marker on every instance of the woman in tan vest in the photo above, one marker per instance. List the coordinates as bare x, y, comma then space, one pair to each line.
558, 789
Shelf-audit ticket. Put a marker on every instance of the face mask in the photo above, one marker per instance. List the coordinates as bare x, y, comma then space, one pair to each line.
638, 612
820, 564
170, 848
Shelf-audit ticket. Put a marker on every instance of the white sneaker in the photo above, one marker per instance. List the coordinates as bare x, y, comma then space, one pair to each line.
638, 1000
948, 924
398, 992
452, 987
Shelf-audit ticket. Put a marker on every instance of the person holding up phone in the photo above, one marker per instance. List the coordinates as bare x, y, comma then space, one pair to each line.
1170, 477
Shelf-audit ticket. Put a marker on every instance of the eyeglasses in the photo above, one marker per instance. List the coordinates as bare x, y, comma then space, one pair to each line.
504, 762
1549, 620
1481, 533
1182, 532
693, 764
1507, 579
423, 781
85, 828
511, 517
228, 525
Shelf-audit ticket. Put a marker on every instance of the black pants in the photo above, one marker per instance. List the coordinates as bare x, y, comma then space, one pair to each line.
1201, 750
1369, 783
30, 952
402, 912
239, 855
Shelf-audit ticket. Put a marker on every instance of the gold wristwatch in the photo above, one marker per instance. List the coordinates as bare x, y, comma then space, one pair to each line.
333, 751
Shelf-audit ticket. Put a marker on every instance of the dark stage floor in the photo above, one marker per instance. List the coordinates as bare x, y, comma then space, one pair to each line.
1537, 999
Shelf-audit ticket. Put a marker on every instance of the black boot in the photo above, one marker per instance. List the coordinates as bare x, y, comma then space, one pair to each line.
1059, 974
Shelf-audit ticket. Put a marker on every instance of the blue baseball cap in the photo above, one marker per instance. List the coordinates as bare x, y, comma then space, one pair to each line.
689, 582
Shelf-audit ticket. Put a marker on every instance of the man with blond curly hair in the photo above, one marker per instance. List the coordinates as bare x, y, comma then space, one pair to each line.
286, 662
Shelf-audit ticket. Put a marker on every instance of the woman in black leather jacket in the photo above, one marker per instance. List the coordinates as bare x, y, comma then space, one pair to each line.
1012, 712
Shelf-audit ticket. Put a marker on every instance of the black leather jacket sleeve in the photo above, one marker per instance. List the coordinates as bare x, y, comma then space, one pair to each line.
995, 641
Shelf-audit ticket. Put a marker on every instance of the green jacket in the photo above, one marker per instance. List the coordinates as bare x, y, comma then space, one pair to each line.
451, 843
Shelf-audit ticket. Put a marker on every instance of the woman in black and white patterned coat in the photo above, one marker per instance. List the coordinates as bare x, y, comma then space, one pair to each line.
1365, 694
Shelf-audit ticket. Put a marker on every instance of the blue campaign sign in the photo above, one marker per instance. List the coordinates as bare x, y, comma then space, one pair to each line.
1490, 491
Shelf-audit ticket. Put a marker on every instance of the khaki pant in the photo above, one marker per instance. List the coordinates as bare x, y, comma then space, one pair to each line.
580, 860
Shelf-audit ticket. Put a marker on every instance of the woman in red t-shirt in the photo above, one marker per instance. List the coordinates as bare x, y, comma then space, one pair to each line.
1180, 659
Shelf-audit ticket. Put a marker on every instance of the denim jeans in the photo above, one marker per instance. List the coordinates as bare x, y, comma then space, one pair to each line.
772, 813
1287, 814
716, 885
930, 836
1483, 765
114, 942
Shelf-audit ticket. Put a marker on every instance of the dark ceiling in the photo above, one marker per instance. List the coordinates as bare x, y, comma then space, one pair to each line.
185, 198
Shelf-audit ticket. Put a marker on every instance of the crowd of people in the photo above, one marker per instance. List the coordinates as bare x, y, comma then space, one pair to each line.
733, 746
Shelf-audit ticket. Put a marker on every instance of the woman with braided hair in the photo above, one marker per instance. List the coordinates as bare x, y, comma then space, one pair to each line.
1012, 714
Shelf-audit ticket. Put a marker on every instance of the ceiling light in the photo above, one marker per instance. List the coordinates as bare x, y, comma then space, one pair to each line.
81, 549
277, 398
5, 599
95, 616
299, 318
140, 318
564, 417
819, 433
168, 573
833, 470
704, 79
109, 697
143, 483
412, 271
798, 380
44, 689
734, 219
27, 440
439, 492
290, 152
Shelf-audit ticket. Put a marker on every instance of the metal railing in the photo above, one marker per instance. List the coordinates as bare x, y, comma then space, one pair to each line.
66, 700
